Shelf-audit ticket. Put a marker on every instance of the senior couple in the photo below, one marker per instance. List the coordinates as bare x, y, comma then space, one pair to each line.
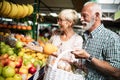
96, 52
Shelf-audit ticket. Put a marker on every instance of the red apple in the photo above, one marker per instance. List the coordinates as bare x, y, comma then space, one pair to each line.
5, 62
32, 70
19, 59
2, 62
16, 70
4, 56
18, 64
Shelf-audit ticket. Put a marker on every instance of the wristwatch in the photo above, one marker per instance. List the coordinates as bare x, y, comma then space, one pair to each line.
90, 58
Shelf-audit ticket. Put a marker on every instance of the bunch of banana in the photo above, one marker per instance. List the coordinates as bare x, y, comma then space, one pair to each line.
11, 10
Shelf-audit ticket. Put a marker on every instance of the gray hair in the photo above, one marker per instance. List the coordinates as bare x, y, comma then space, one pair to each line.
70, 15
95, 8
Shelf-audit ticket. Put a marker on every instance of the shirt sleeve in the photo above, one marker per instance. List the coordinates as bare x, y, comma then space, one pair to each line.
113, 51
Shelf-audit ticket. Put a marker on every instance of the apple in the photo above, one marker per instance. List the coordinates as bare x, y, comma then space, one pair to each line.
29, 65
12, 57
21, 53
19, 44
19, 59
3, 50
10, 51
16, 70
19, 62
2, 78
2, 43
12, 64
36, 63
5, 62
32, 70
9, 78
4, 56
27, 62
2, 62
1, 70
8, 71
23, 70
41, 63
17, 77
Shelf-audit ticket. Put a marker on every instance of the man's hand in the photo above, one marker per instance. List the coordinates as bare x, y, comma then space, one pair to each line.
81, 54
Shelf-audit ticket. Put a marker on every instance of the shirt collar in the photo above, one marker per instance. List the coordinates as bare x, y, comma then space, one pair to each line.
94, 32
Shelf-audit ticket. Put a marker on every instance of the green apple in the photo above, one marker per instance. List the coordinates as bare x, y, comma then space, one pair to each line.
36, 63
1, 70
10, 51
3, 50
26, 62
21, 53
41, 63
6, 47
2, 44
8, 71
9, 78
19, 44
2, 78
17, 77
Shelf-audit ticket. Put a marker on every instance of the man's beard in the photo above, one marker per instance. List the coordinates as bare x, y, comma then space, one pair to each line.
88, 25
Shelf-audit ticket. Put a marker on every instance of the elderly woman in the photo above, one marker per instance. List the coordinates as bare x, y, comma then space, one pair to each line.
66, 39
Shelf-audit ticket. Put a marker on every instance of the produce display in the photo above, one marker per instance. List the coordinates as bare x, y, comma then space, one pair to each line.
15, 26
20, 59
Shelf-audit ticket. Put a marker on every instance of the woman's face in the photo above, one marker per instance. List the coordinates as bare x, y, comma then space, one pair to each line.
63, 23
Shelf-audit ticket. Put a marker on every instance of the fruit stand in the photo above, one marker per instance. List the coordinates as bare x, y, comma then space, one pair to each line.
19, 59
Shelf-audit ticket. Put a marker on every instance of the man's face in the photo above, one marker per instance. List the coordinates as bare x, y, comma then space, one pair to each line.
87, 18
88, 25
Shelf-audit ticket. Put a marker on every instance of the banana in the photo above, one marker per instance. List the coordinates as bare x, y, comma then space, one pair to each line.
7, 10
31, 9
14, 10
0, 7
3, 8
20, 11
25, 11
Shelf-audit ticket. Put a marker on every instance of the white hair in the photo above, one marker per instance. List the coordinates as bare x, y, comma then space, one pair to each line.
70, 15
95, 8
